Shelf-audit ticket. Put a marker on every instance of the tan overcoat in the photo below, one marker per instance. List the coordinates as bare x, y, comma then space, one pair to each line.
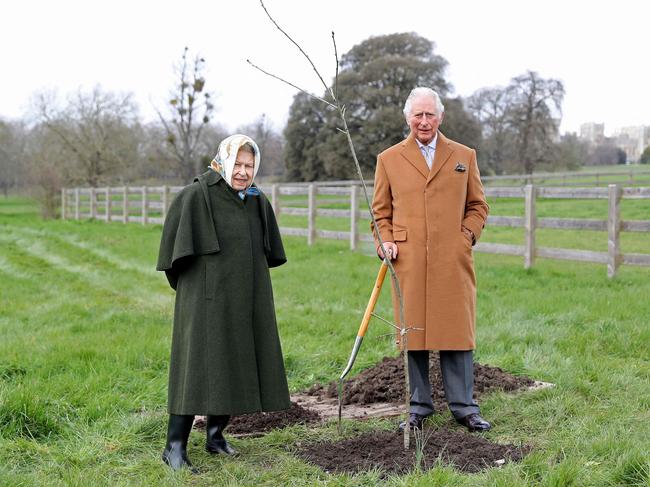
422, 211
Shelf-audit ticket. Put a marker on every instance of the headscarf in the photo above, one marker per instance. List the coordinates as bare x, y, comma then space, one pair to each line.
224, 161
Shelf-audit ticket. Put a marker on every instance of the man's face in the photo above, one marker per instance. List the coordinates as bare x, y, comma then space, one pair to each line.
242, 173
423, 120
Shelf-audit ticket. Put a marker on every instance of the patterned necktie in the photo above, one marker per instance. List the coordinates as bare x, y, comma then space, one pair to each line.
427, 150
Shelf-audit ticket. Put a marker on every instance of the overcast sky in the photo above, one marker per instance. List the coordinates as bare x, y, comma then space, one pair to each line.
596, 48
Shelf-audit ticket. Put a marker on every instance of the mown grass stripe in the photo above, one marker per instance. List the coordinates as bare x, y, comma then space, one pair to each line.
95, 278
99, 253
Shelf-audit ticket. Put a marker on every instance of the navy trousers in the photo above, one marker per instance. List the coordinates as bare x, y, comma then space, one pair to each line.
457, 367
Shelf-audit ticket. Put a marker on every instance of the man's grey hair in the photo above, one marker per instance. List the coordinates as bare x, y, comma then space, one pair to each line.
422, 91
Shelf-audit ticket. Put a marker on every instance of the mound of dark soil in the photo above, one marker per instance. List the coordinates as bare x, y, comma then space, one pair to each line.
385, 450
264, 422
385, 383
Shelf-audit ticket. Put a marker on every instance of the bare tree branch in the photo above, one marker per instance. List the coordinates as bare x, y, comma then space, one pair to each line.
336, 75
295, 44
292, 85
390, 323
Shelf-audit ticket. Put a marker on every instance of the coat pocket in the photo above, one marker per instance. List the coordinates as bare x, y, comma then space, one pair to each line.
399, 235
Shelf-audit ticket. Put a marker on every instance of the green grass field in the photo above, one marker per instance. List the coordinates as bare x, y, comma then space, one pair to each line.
629, 175
85, 323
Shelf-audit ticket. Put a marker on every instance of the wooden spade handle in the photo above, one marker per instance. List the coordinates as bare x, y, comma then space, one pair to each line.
373, 299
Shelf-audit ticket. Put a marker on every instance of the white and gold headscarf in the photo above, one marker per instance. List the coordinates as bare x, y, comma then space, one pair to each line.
224, 161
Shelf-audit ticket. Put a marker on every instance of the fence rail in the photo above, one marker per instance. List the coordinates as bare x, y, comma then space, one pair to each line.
624, 176
629, 177
149, 204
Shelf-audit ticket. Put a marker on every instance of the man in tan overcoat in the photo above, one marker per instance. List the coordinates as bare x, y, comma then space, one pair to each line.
430, 210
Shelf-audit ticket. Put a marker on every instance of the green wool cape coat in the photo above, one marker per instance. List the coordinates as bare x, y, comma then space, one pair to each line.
216, 250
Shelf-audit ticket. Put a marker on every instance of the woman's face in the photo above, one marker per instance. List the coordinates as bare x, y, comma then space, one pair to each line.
242, 173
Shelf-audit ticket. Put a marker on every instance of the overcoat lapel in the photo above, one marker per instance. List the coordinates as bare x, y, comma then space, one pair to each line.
443, 153
413, 154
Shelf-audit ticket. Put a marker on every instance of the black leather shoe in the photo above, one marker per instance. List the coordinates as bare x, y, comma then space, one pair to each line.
216, 443
415, 422
178, 432
474, 422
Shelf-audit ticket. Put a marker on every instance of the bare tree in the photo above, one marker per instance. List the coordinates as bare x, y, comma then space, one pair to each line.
271, 146
572, 152
491, 107
49, 167
190, 109
157, 163
536, 110
520, 123
97, 129
12, 155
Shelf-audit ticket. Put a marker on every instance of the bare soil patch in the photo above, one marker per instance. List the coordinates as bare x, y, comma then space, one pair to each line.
384, 383
384, 450
256, 424
264, 422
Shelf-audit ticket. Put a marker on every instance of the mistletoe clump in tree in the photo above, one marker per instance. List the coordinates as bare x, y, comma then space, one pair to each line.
190, 109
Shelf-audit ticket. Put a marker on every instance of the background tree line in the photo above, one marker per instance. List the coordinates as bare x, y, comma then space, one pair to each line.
515, 128
95, 138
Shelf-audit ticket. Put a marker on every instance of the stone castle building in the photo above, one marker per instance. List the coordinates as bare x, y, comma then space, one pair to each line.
632, 140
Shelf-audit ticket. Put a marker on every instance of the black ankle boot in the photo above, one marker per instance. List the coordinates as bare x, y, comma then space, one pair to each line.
178, 432
216, 443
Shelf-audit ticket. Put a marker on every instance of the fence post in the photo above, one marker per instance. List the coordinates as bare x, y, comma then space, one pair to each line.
125, 204
76, 203
63, 203
311, 215
165, 202
275, 199
354, 218
529, 225
109, 209
613, 230
93, 204
145, 204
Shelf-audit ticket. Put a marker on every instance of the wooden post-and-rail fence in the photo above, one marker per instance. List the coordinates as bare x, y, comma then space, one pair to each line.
126, 204
146, 204
614, 225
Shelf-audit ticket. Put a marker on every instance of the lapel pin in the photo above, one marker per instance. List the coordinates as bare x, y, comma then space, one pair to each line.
459, 167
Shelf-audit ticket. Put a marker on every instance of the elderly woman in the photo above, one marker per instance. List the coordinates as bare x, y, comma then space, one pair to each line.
219, 239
